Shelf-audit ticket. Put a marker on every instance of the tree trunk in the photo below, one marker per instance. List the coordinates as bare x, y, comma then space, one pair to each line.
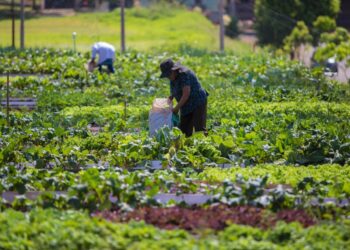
42, 5
137, 3
97, 4
76, 4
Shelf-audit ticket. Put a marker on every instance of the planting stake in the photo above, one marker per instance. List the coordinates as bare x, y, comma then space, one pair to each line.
74, 36
125, 104
87, 81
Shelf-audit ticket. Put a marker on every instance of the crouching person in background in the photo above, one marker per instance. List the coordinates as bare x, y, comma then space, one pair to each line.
106, 56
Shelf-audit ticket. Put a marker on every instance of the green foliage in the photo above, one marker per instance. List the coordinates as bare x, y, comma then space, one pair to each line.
272, 186
261, 110
323, 24
300, 35
339, 52
340, 35
252, 193
275, 121
165, 26
276, 19
338, 176
41, 229
335, 45
71, 230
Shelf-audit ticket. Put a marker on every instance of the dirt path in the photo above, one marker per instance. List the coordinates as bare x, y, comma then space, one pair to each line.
57, 12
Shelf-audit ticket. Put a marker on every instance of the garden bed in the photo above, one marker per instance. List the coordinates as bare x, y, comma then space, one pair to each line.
216, 217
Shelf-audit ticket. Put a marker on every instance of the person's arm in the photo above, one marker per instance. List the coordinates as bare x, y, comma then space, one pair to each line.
171, 97
93, 54
186, 91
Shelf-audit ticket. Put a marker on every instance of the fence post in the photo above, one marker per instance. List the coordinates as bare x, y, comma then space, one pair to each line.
13, 23
222, 26
76, 5
42, 5
122, 24
8, 99
22, 24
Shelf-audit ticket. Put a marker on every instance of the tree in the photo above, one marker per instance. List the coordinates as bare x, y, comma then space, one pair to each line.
340, 35
335, 45
275, 19
323, 24
299, 37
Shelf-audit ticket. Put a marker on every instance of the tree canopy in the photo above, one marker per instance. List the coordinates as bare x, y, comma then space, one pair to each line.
276, 19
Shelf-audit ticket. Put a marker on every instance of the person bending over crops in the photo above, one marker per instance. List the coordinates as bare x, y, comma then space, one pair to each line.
190, 96
106, 56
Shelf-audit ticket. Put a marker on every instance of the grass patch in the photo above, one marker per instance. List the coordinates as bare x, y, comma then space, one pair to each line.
146, 29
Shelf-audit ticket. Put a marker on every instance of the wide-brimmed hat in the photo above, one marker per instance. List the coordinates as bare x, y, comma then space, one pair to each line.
167, 66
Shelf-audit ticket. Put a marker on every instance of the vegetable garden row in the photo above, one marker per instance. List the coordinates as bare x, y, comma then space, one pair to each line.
283, 130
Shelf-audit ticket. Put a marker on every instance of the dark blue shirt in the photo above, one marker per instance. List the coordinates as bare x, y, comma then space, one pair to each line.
198, 95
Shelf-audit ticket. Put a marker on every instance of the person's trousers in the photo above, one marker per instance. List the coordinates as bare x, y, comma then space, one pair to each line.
196, 120
108, 63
